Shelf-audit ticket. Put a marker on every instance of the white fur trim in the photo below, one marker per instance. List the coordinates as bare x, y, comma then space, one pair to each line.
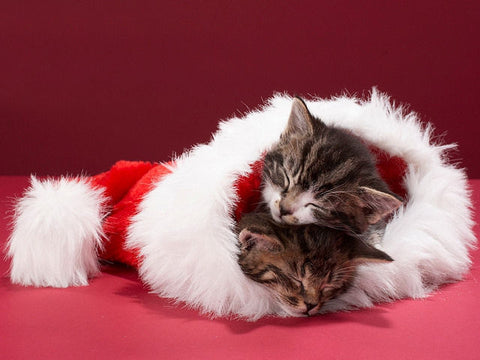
57, 231
184, 228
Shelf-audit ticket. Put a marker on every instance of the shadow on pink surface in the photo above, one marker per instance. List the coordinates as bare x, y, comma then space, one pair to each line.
162, 308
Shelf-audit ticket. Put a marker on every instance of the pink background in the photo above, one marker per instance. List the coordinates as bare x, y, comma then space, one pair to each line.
86, 83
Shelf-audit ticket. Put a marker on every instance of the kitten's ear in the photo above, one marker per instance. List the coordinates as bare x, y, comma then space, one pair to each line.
378, 204
300, 120
364, 253
250, 239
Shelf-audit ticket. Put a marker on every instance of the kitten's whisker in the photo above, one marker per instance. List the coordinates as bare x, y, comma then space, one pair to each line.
344, 271
332, 189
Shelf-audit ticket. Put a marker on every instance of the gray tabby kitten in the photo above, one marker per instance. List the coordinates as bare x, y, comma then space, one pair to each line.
303, 266
327, 176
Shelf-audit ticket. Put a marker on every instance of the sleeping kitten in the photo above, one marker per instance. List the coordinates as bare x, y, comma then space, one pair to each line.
324, 175
303, 266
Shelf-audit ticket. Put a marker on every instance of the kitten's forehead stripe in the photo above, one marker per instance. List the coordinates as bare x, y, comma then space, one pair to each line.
277, 157
302, 268
304, 159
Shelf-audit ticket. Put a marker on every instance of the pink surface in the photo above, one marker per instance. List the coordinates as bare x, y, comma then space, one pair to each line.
115, 317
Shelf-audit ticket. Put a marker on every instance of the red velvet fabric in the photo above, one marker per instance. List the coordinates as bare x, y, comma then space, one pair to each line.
248, 190
116, 318
125, 185
391, 169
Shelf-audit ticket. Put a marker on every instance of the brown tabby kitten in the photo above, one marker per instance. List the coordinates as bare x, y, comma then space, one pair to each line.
324, 175
303, 266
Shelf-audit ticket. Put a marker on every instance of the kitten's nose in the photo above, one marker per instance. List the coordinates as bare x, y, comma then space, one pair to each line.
309, 307
285, 211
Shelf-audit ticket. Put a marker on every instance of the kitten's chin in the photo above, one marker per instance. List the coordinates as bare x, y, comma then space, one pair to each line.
290, 220
275, 216
285, 219
297, 220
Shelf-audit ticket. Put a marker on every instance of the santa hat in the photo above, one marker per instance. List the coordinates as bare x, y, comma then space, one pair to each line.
175, 222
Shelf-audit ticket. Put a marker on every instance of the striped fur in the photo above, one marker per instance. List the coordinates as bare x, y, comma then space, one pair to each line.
303, 266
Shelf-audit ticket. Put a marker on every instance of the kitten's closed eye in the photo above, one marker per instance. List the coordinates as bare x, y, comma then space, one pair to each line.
328, 291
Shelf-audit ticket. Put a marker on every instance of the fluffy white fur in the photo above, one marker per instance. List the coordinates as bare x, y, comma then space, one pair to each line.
57, 231
185, 231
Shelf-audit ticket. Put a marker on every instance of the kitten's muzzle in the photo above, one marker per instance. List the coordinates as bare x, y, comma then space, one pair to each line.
290, 219
284, 211
286, 214
310, 306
